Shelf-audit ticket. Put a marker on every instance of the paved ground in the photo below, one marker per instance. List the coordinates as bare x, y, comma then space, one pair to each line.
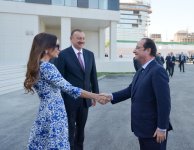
108, 126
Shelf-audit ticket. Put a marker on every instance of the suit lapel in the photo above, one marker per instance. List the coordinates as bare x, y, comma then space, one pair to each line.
75, 59
135, 78
139, 80
85, 55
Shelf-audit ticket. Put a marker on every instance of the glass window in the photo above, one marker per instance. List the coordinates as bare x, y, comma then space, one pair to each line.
57, 2
135, 25
67, 2
74, 3
19, 0
94, 4
113, 5
124, 26
128, 21
136, 12
103, 4
83, 3
128, 16
71, 3
126, 12
39, 1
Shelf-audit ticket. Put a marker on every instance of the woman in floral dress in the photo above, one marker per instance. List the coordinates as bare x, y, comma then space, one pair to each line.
50, 128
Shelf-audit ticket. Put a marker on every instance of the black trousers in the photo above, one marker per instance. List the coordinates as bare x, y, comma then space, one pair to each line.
77, 117
182, 66
151, 144
171, 70
167, 69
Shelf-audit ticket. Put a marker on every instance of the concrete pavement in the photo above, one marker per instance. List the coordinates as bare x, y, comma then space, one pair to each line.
108, 126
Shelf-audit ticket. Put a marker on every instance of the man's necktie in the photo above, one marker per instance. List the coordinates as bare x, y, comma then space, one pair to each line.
80, 60
139, 75
141, 72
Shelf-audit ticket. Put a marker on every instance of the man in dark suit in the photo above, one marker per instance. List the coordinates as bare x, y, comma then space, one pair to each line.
150, 97
182, 60
171, 63
167, 63
160, 59
77, 65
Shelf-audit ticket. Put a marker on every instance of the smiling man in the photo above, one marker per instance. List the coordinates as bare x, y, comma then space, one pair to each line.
77, 65
150, 99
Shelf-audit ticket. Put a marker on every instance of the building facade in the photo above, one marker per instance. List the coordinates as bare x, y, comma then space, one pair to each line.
184, 36
156, 37
133, 25
21, 20
134, 20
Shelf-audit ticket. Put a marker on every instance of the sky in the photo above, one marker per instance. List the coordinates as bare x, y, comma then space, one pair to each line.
170, 16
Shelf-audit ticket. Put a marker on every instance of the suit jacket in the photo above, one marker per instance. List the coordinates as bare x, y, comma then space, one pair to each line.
150, 100
182, 60
70, 68
159, 60
170, 60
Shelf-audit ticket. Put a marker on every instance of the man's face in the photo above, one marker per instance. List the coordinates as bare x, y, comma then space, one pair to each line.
140, 52
78, 40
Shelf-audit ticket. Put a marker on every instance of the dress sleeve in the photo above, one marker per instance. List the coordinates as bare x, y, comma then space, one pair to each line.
50, 73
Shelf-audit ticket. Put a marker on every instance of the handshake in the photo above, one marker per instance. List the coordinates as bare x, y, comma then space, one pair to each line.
103, 98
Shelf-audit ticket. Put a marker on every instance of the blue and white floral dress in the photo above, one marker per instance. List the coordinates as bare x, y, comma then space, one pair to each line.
50, 129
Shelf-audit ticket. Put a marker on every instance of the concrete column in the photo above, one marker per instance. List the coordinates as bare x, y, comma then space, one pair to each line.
113, 40
41, 26
65, 32
101, 50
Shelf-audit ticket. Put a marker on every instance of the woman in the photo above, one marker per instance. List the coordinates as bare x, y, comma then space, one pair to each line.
50, 129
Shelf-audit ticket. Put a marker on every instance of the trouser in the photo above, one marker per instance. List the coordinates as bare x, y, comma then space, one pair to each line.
151, 144
77, 118
171, 70
182, 66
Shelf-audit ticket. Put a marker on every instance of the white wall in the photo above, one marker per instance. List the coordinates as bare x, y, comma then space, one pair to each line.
17, 32
42, 26
122, 65
92, 42
127, 49
55, 31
